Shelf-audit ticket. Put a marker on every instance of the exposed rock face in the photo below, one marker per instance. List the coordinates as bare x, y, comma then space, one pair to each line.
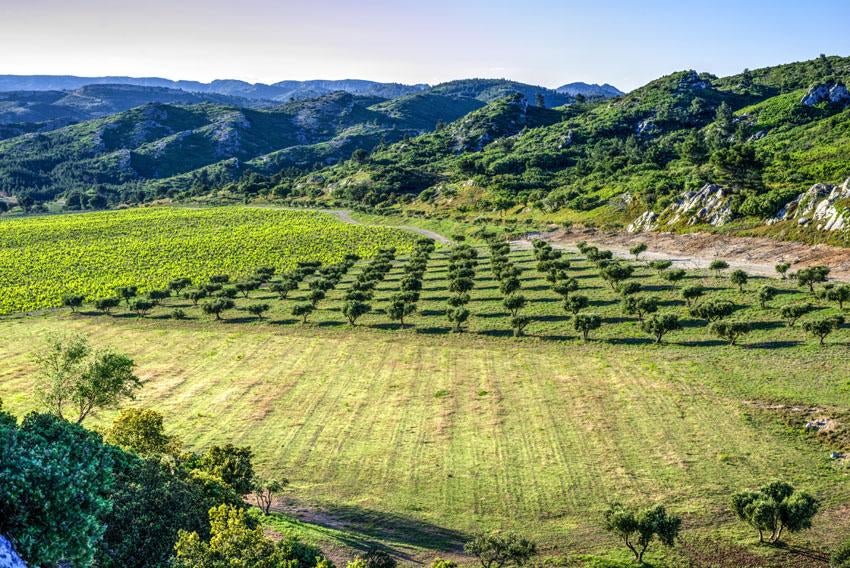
646, 127
644, 223
709, 204
8, 557
692, 80
826, 92
820, 205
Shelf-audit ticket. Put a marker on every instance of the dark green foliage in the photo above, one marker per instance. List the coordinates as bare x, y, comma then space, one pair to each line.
713, 310
718, 266
514, 303
822, 327
615, 273
739, 278
218, 306
519, 323
303, 311
660, 265
585, 323
106, 305
458, 317
774, 508
640, 306
792, 312
840, 558
258, 309
811, 276
660, 325
691, 293
142, 306
766, 294
637, 250
73, 301
353, 309
576, 303
232, 464
674, 276
731, 331
495, 550
637, 528
838, 294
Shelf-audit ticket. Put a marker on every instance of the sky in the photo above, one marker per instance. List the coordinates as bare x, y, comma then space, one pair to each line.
543, 42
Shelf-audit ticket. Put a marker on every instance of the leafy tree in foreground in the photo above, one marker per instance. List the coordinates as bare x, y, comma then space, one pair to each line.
195, 296
637, 250
585, 323
839, 294
142, 306
634, 305
782, 269
774, 508
127, 293
400, 308
660, 265
55, 479
354, 309
629, 288
232, 464
236, 541
674, 276
518, 324
156, 296
739, 278
820, 328
495, 550
731, 331
284, 287
660, 325
316, 296
73, 376
638, 528
218, 306
615, 273
140, 430
840, 557
564, 287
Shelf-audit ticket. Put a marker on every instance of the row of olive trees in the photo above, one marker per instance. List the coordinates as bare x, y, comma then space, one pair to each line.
510, 285
461, 280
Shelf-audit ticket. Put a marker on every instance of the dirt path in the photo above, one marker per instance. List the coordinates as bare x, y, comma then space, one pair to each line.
696, 250
344, 215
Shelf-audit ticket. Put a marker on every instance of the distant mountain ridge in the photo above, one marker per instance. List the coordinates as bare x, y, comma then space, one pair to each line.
590, 90
282, 91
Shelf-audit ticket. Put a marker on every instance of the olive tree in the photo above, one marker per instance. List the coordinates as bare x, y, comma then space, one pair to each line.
637, 528
774, 508
810, 276
519, 323
691, 293
838, 294
218, 306
713, 310
660, 325
73, 301
142, 306
400, 308
739, 278
284, 287
564, 287
75, 380
585, 323
766, 294
495, 550
354, 309
731, 331
782, 269
660, 265
265, 490
258, 310
792, 312
718, 266
106, 305
576, 303
674, 276
637, 250
179, 284
127, 293
514, 303
822, 327
615, 273
458, 317
637, 306
303, 311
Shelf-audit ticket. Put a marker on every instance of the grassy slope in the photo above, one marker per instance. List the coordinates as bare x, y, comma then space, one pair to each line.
437, 433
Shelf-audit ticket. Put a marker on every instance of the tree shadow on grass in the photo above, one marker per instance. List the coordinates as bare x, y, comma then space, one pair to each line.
547, 300
432, 312
767, 325
497, 332
702, 343
493, 315
361, 527
552, 318
616, 320
433, 330
237, 319
630, 341
331, 323
604, 302
288, 321
773, 344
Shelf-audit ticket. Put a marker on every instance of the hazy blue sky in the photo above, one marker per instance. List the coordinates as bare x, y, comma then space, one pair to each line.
545, 42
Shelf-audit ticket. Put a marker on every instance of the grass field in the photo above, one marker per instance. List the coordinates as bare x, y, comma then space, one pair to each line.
44, 258
422, 436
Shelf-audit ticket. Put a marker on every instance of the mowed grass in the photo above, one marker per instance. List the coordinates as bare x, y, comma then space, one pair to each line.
440, 434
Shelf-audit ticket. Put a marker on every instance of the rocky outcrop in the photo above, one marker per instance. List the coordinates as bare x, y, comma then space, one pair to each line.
8, 557
709, 204
835, 93
822, 206
644, 223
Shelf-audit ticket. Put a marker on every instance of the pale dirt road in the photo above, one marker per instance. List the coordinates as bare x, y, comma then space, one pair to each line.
755, 255
344, 215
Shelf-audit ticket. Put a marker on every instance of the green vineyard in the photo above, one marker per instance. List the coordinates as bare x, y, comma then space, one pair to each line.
43, 259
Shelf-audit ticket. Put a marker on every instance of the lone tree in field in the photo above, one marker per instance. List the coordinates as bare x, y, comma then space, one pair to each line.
400, 308
638, 250
258, 310
458, 317
106, 305
660, 265
73, 301
674, 276
718, 266
303, 311
792, 312
518, 324
496, 550
636, 306
660, 325
820, 328
265, 491
564, 287
730, 331
75, 381
739, 278
766, 294
576, 303
585, 323
774, 508
691, 293
811, 276
713, 310
218, 306
782, 269
354, 309
637, 528
514, 303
